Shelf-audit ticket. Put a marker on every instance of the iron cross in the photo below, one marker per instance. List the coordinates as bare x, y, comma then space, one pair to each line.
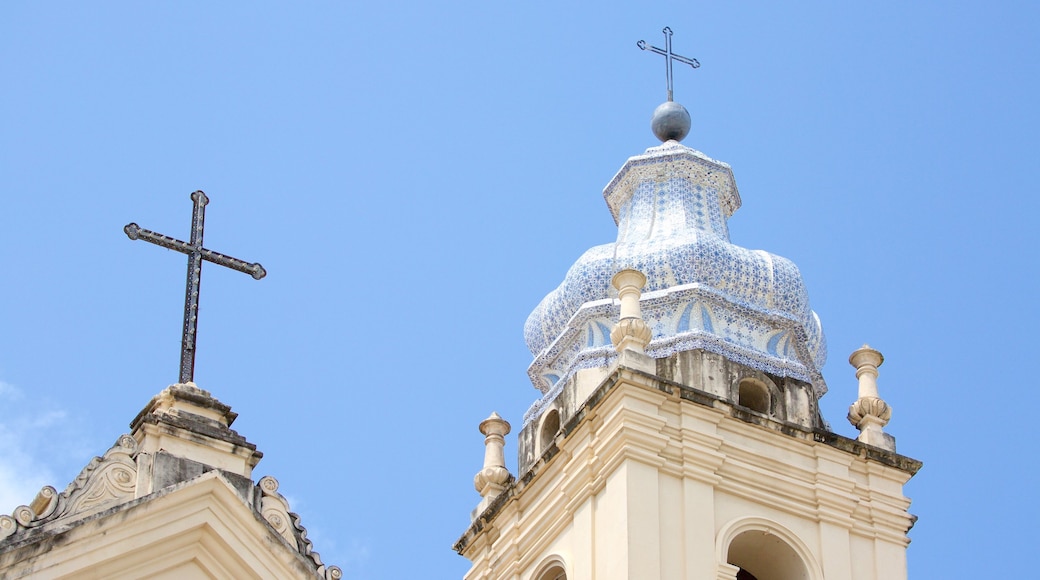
669, 56
196, 254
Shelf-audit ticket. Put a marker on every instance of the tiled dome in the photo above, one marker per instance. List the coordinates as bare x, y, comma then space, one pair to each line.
671, 205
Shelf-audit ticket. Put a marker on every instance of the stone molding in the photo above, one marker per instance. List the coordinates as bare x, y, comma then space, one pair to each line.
109, 481
203, 525
189, 422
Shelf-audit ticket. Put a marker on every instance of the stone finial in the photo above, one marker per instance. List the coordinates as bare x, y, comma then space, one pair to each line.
631, 332
493, 478
870, 413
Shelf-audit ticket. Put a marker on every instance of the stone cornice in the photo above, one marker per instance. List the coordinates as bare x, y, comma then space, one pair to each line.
186, 411
149, 528
180, 438
724, 465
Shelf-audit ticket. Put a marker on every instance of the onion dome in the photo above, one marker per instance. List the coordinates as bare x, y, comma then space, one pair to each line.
671, 205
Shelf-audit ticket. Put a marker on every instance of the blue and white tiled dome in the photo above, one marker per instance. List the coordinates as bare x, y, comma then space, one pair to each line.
703, 292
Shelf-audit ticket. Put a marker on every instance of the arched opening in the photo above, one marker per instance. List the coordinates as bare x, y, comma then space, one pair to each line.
754, 395
556, 572
761, 555
550, 425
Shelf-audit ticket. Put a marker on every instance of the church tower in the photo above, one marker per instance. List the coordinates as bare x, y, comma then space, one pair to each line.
678, 433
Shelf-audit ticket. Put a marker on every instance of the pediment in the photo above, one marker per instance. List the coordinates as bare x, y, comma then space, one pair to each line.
201, 528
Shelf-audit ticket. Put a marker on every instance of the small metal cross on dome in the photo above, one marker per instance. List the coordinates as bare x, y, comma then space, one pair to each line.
196, 254
668, 55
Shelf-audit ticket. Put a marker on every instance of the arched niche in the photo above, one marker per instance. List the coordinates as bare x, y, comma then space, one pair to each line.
754, 394
548, 429
757, 392
765, 550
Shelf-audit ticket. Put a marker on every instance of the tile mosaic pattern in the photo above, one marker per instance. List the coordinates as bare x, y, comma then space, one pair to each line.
703, 292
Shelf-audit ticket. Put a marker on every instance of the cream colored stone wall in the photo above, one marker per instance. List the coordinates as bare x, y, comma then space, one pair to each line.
201, 529
652, 485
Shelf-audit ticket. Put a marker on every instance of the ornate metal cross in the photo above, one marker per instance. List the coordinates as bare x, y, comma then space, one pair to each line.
196, 254
669, 56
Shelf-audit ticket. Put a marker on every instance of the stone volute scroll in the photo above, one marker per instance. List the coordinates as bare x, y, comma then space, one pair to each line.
105, 481
631, 331
870, 413
275, 509
493, 478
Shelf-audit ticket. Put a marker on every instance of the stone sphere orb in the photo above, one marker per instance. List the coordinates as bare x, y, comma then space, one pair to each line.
670, 121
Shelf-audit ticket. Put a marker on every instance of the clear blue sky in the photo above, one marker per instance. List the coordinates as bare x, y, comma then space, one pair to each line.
416, 176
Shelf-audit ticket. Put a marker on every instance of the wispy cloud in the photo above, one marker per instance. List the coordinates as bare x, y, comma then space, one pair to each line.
7, 391
27, 432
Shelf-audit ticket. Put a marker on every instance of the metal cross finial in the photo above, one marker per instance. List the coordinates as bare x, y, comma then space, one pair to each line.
669, 56
196, 254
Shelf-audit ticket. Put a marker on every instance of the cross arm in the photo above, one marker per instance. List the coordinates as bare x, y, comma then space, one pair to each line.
136, 232
690, 61
253, 269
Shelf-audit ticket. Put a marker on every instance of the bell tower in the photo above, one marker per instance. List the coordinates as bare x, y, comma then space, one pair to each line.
678, 433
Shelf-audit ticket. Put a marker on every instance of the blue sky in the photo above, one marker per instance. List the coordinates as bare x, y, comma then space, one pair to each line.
416, 177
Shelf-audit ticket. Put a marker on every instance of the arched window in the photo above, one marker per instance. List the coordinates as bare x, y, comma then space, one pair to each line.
764, 556
550, 425
763, 549
754, 395
555, 573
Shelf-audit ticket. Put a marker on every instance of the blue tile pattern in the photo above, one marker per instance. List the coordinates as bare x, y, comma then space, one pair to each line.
703, 292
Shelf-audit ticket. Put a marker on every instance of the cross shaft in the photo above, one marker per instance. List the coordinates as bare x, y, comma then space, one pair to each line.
196, 255
669, 56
